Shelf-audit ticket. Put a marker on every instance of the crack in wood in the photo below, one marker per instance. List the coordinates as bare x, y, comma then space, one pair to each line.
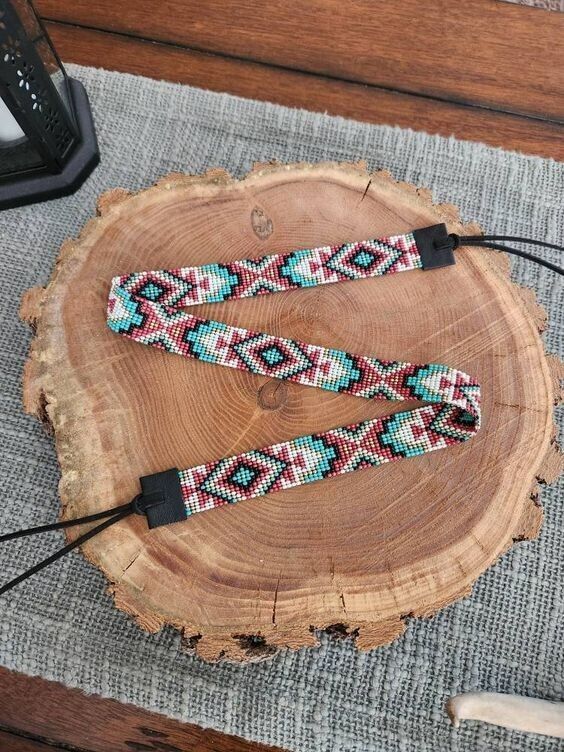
153, 733
132, 562
365, 191
39, 739
276, 599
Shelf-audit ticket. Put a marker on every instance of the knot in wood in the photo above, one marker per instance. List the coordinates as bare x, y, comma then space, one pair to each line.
261, 223
273, 395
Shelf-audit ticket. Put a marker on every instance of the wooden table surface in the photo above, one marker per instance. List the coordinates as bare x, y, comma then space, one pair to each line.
481, 70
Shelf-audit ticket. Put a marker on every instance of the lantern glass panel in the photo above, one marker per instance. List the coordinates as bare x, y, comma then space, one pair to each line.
36, 35
37, 124
16, 152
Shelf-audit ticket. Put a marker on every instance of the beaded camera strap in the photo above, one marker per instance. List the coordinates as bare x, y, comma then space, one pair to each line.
147, 308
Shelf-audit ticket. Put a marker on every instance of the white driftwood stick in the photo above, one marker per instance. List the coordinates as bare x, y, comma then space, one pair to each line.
511, 711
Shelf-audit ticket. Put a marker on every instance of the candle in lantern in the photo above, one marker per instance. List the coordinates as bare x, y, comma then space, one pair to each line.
10, 131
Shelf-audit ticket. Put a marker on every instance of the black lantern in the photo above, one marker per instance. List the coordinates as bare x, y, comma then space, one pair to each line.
47, 140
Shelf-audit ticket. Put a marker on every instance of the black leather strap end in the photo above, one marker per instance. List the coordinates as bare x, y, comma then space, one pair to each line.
161, 498
435, 246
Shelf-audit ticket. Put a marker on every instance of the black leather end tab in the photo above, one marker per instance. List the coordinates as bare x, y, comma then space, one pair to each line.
161, 498
435, 246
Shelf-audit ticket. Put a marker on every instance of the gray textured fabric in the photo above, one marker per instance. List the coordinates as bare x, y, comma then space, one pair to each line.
508, 636
545, 4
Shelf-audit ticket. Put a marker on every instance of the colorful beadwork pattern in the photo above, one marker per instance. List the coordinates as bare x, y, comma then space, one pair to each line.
146, 307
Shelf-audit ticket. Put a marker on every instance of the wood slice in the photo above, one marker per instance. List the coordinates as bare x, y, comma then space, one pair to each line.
355, 554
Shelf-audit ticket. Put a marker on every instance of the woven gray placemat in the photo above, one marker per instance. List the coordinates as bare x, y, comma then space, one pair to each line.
508, 636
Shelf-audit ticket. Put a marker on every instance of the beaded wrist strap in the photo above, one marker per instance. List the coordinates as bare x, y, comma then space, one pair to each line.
146, 307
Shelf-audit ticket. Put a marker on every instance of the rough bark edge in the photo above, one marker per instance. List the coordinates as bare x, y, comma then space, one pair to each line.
218, 645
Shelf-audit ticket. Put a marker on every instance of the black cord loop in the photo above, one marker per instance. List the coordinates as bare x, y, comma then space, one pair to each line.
115, 515
491, 241
65, 523
513, 239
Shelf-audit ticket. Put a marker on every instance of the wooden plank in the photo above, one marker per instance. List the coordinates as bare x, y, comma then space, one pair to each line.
494, 54
13, 743
50, 711
296, 89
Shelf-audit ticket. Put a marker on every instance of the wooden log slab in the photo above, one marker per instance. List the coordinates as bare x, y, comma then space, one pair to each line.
356, 554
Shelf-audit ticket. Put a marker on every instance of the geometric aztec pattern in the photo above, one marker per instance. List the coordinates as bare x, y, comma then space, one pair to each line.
147, 308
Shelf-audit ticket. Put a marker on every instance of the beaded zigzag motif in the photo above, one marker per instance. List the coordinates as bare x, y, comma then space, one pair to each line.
145, 307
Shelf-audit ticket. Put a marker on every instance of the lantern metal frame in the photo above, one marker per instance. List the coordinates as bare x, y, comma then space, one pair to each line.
60, 132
